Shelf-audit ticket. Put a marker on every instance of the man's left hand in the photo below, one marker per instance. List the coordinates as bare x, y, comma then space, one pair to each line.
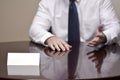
99, 37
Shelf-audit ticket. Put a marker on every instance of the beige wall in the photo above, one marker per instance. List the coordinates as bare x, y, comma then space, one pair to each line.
116, 4
16, 17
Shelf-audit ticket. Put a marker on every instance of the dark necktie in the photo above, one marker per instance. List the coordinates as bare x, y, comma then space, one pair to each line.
73, 23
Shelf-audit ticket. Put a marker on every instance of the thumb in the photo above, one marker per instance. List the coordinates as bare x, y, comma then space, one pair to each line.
100, 28
100, 31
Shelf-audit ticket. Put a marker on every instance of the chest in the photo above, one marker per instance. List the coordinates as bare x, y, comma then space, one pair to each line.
87, 10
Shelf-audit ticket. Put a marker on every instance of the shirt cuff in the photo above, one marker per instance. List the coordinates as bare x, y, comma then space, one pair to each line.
45, 37
107, 34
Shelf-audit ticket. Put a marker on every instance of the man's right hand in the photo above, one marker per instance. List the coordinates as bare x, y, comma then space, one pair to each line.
58, 44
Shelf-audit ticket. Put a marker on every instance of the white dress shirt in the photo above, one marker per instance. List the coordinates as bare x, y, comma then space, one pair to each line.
92, 13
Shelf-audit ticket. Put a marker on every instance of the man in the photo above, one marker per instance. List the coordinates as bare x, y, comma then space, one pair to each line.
98, 23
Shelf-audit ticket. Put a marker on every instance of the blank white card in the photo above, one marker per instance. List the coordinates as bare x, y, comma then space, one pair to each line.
23, 64
23, 59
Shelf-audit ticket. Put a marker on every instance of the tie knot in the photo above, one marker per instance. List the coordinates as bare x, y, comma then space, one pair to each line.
72, 0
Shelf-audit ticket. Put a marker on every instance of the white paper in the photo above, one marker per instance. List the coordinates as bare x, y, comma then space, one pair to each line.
24, 64
23, 59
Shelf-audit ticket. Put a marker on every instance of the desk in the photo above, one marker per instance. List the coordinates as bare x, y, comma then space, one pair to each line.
82, 62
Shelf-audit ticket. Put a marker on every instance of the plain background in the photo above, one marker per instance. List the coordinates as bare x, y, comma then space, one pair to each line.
16, 17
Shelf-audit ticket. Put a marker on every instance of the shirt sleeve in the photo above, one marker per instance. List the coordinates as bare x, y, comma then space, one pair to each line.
41, 24
110, 21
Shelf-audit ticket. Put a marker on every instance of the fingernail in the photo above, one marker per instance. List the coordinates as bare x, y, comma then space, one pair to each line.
63, 49
68, 49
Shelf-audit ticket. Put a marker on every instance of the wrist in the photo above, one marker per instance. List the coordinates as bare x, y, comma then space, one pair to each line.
104, 39
47, 40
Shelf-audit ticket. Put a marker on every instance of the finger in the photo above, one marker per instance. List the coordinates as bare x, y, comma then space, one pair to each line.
99, 32
56, 45
51, 46
91, 44
100, 28
66, 45
62, 47
94, 42
100, 35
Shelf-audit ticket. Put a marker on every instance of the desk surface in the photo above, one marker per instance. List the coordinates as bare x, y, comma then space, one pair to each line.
81, 62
